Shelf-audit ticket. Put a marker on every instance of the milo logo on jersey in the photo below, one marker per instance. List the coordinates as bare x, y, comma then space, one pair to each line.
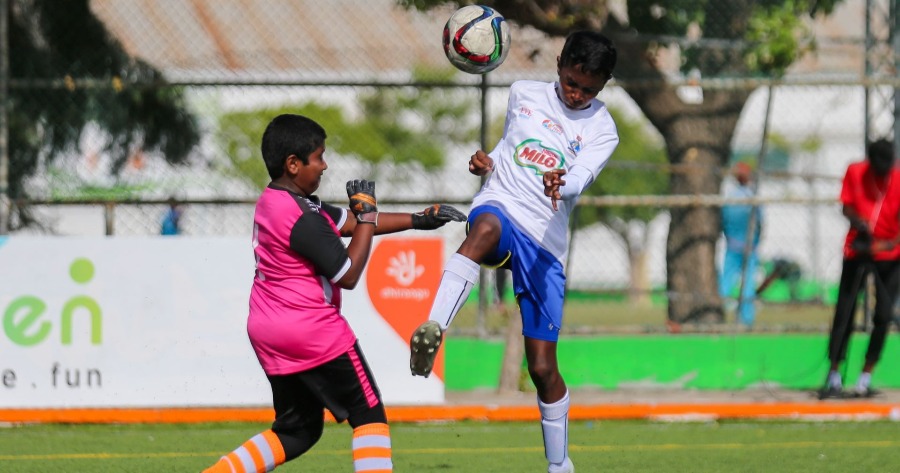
532, 154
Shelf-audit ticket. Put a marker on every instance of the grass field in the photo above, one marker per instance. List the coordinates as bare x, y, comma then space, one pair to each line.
470, 447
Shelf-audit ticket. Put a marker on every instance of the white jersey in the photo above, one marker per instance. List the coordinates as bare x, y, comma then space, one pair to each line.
542, 134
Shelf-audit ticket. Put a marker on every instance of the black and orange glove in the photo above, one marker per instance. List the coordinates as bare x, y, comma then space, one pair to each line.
436, 216
362, 197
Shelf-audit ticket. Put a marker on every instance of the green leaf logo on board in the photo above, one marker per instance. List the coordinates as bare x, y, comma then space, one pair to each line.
26, 323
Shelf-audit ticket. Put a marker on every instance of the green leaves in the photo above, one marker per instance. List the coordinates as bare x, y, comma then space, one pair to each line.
766, 35
776, 36
104, 87
394, 125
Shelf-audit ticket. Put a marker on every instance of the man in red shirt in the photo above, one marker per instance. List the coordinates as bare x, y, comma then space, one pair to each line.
871, 202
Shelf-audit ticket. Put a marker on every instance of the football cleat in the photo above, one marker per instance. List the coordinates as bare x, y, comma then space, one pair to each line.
866, 393
567, 467
830, 392
423, 348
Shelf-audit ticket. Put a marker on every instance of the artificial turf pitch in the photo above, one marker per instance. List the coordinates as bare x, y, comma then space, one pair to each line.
595, 446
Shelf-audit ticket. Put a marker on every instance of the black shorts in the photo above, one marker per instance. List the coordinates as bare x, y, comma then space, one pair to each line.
345, 386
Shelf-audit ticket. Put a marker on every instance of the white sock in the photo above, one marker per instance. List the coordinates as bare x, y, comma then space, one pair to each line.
459, 276
555, 426
863, 382
834, 380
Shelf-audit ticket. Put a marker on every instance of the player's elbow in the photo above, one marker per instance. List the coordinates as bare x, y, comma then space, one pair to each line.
347, 229
350, 280
347, 284
350, 275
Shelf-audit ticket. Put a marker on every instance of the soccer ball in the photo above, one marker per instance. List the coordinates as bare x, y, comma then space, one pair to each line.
476, 39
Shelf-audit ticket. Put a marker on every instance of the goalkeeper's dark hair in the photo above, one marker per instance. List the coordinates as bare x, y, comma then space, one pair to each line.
592, 51
286, 135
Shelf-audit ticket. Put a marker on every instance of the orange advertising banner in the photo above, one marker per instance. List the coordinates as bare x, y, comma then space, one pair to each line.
402, 278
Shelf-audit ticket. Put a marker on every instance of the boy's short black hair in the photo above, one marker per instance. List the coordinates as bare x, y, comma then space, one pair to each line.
286, 135
882, 148
881, 155
593, 51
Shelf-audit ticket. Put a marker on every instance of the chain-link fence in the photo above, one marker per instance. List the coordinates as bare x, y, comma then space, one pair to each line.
375, 76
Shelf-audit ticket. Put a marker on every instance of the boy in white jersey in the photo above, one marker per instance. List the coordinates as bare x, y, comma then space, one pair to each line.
519, 218
307, 349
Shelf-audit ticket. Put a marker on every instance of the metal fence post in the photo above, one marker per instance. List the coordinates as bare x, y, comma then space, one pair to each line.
4, 122
481, 324
109, 217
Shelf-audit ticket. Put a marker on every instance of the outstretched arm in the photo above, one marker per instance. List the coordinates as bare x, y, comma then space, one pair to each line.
433, 217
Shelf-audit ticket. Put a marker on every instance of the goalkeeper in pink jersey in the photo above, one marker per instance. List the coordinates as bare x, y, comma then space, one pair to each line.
519, 218
307, 349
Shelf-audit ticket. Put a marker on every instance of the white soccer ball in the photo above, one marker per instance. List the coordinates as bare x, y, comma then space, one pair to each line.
476, 39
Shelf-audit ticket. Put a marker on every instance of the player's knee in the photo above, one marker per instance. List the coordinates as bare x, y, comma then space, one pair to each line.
486, 227
482, 239
543, 373
374, 415
298, 440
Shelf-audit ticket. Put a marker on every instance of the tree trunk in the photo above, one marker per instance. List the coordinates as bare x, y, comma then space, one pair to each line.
690, 259
513, 353
698, 148
639, 287
634, 235
698, 143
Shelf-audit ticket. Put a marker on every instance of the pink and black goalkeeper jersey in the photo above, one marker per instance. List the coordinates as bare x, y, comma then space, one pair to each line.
295, 320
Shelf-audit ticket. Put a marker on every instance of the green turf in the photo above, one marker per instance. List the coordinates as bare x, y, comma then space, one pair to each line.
608, 446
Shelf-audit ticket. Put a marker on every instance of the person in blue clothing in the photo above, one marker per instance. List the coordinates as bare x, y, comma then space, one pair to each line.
736, 226
171, 221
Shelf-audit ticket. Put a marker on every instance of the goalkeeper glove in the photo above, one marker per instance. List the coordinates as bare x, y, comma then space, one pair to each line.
436, 216
362, 198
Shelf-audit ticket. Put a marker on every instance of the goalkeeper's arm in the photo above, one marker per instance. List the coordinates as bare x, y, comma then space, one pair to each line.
430, 218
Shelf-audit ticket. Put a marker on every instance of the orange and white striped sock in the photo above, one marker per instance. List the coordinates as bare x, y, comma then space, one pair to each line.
372, 449
260, 454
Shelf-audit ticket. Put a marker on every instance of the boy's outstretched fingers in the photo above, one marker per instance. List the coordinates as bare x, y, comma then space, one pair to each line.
445, 212
552, 182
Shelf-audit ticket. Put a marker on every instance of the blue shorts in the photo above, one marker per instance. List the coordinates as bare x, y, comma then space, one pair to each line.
537, 276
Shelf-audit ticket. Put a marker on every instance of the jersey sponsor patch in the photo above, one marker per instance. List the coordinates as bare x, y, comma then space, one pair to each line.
552, 126
532, 154
575, 145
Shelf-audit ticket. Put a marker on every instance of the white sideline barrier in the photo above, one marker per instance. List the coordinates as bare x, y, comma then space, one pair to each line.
161, 321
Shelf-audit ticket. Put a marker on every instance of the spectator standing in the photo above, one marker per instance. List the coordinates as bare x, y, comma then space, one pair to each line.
870, 195
742, 226
171, 221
